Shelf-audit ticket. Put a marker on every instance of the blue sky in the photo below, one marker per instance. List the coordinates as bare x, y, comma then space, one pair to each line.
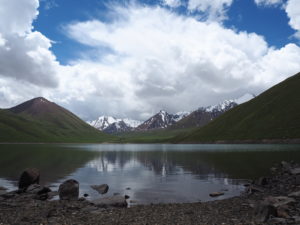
133, 58
243, 15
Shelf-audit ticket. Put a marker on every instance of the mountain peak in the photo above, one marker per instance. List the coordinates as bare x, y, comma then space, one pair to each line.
34, 106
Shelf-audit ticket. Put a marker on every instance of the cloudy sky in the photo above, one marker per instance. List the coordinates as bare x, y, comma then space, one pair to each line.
133, 58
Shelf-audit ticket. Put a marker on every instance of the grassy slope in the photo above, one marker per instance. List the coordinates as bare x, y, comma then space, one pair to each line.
47, 128
275, 114
154, 136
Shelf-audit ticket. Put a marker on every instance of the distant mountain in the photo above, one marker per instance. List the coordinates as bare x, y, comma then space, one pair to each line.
109, 124
161, 120
204, 115
39, 120
274, 114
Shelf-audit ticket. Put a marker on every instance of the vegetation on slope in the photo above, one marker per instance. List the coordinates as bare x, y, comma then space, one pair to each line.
39, 120
275, 114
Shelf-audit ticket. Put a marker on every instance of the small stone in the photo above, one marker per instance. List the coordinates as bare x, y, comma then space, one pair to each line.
85, 195
295, 171
101, 189
216, 194
69, 190
294, 194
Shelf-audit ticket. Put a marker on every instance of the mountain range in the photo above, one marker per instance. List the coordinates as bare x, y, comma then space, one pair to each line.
272, 116
163, 119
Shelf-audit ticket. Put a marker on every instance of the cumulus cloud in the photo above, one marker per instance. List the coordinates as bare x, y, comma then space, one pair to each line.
158, 59
293, 11
145, 59
212, 9
172, 3
268, 2
24, 54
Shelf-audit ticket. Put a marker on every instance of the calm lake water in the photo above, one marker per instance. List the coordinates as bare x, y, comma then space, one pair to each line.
148, 173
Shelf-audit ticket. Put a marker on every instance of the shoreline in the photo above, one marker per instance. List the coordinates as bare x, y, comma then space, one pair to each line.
250, 141
267, 200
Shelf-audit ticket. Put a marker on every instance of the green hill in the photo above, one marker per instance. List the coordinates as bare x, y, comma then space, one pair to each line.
39, 120
274, 114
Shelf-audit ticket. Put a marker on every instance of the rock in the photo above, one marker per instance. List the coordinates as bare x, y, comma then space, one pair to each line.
294, 194
277, 220
2, 192
216, 194
128, 188
85, 195
279, 201
116, 193
101, 189
28, 177
69, 190
285, 165
114, 201
261, 181
264, 211
3, 188
281, 212
296, 219
295, 171
52, 194
297, 180
251, 189
127, 196
37, 189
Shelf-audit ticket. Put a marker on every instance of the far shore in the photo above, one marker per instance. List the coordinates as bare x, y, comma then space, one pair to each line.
263, 141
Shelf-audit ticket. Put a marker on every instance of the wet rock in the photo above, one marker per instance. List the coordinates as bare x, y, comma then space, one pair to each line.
52, 194
216, 194
85, 195
114, 201
69, 190
101, 189
28, 177
3, 188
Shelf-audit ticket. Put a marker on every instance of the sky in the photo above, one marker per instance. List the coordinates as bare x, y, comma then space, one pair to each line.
132, 58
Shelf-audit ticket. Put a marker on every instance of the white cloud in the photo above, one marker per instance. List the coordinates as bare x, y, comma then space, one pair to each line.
172, 3
293, 11
24, 54
148, 58
163, 60
268, 2
213, 9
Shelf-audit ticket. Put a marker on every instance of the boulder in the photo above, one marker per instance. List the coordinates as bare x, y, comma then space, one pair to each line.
216, 194
114, 201
69, 190
28, 177
37, 189
101, 189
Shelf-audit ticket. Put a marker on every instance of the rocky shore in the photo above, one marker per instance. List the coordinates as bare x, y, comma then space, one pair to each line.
267, 200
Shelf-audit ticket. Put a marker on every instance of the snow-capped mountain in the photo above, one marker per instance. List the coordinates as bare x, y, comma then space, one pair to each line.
161, 120
204, 115
111, 124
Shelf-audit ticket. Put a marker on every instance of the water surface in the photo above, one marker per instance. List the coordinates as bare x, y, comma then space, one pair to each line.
148, 173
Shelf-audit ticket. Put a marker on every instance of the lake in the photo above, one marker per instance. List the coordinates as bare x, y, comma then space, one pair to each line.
148, 173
